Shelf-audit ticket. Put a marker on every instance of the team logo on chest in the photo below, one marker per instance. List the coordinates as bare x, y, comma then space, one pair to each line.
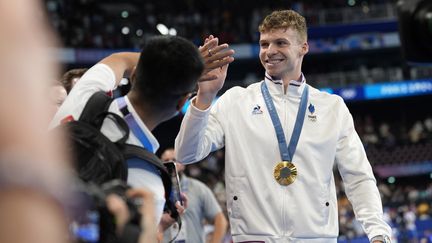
257, 110
312, 117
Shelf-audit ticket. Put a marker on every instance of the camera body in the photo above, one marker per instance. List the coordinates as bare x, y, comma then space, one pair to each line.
92, 221
119, 188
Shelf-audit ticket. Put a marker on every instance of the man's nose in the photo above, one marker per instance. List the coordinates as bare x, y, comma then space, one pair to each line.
272, 49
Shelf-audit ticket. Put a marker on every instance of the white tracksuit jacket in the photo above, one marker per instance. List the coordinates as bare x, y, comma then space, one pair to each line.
261, 210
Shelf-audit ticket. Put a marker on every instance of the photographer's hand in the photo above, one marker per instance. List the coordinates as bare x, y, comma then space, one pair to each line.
147, 210
167, 220
119, 209
181, 209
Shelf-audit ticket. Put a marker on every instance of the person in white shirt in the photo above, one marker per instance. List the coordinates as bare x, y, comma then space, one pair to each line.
282, 139
163, 75
202, 205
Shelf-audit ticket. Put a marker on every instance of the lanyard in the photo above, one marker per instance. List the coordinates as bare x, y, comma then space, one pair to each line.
287, 152
133, 124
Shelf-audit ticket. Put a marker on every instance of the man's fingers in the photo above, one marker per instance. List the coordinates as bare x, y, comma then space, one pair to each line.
220, 63
216, 52
207, 77
217, 56
180, 208
139, 192
219, 48
225, 68
208, 38
211, 43
119, 209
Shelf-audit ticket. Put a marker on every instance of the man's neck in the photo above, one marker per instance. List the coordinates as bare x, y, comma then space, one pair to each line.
150, 118
289, 77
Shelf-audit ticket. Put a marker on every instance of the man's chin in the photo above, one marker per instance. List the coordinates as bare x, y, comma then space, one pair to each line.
274, 75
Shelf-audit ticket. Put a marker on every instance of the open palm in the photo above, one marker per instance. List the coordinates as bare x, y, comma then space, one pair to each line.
216, 58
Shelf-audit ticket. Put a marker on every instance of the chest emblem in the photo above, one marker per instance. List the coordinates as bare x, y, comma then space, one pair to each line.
257, 110
312, 116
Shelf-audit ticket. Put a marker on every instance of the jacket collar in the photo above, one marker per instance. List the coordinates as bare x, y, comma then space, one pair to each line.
275, 86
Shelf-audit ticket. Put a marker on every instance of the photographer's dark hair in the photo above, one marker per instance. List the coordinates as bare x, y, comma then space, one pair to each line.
168, 69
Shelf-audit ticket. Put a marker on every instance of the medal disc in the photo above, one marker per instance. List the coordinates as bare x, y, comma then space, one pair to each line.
285, 173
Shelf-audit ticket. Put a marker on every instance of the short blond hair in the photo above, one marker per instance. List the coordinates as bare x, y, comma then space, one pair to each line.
285, 19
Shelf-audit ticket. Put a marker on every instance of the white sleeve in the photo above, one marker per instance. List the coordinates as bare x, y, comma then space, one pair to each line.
358, 178
98, 78
200, 133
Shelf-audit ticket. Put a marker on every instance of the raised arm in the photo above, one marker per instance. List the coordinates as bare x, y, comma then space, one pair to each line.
201, 132
122, 63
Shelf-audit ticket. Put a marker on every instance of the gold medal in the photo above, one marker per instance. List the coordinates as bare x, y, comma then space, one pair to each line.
285, 173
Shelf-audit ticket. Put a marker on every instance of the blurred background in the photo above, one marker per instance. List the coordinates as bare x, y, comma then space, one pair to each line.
376, 54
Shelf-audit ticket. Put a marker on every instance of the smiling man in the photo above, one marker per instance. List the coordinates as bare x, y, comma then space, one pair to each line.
282, 139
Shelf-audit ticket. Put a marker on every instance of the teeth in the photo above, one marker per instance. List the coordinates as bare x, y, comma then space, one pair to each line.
274, 61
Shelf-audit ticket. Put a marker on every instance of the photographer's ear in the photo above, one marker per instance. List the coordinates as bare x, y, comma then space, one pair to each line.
132, 76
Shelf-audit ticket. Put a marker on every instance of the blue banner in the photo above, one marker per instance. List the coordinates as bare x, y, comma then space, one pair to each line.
384, 90
398, 89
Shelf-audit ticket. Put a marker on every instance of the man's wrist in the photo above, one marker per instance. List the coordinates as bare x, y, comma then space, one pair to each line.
381, 238
203, 101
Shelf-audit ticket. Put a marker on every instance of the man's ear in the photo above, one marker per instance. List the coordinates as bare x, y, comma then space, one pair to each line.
132, 76
304, 48
182, 101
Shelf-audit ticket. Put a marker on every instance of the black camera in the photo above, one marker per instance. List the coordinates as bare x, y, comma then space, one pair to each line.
415, 30
92, 221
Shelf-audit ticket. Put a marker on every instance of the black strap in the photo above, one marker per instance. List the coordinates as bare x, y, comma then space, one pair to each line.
96, 110
97, 103
133, 151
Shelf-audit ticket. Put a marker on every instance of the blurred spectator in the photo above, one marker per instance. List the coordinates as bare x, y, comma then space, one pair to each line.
428, 128
71, 77
416, 133
57, 94
370, 138
386, 138
33, 174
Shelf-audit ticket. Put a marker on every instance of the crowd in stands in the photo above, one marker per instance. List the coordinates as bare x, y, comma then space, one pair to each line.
110, 25
336, 77
93, 24
396, 144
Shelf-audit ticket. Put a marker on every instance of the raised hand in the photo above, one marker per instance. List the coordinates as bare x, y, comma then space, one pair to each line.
216, 58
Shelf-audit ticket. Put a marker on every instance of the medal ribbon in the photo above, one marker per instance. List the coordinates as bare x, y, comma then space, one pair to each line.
287, 152
133, 124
